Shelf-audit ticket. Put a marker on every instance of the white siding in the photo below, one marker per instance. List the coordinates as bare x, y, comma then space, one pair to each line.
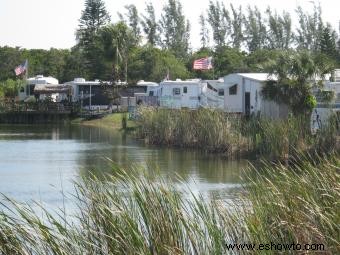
251, 83
189, 100
233, 103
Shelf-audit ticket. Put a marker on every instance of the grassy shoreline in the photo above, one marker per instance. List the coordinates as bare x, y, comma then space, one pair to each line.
217, 132
111, 121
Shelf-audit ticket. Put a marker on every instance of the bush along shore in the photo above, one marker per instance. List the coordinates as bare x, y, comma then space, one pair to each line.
215, 131
136, 212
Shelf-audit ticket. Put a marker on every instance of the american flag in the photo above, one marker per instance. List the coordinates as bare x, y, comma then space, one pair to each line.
203, 64
22, 68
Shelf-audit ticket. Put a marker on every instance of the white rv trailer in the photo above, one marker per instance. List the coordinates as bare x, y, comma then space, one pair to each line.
28, 90
150, 88
243, 95
191, 93
177, 94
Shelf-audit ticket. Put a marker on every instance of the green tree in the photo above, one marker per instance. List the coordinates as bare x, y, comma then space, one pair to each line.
204, 33
133, 22
255, 30
150, 25
310, 30
175, 30
328, 42
296, 73
117, 41
218, 18
93, 18
256, 61
236, 27
153, 64
228, 60
9, 88
10, 58
55, 63
280, 35
75, 65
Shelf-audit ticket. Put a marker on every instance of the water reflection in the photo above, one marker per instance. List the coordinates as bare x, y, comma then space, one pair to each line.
38, 162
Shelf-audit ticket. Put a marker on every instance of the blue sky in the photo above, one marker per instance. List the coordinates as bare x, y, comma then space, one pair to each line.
52, 23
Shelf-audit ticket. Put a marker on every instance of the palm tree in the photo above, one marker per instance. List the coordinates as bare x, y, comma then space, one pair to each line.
297, 73
117, 40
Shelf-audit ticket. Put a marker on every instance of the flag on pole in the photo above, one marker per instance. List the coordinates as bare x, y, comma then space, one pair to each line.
22, 68
203, 64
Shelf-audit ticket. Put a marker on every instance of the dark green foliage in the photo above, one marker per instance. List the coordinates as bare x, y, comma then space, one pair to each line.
280, 34
93, 17
10, 58
310, 30
9, 88
228, 60
150, 25
74, 66
328, 42
218, 18
117, 41
236, 26
257, 61
174, 29
47, 62
133, 22
149, 63
255, 30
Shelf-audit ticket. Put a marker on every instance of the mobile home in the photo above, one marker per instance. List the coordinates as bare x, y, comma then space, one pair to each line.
28, 90
243, 95
91, 94
191, 93
181, 94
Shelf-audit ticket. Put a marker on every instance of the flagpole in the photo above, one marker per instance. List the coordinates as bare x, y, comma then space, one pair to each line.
26, 74
26, 77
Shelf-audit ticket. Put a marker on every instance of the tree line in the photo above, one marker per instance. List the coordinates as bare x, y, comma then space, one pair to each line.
140, 45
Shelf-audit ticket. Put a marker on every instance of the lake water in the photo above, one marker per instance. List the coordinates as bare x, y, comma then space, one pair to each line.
40, 163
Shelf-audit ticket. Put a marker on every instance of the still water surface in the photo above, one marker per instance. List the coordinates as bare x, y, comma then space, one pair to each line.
41, 162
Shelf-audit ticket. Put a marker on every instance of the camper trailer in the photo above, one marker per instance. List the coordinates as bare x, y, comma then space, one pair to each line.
243, 95
181, 94
28, 90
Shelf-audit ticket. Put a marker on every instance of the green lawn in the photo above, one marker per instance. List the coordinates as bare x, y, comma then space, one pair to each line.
111, 121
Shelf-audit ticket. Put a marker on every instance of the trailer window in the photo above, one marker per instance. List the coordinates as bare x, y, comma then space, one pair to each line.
221, 92
151, 93
233, 90
185, 90
176, 91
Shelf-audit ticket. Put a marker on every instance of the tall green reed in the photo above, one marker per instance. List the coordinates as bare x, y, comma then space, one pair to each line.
207, 129
138, 212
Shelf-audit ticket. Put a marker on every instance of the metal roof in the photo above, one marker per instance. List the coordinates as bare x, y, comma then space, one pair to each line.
258, 76
147, 83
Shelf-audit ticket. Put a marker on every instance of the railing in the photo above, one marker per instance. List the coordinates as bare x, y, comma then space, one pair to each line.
46, 107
